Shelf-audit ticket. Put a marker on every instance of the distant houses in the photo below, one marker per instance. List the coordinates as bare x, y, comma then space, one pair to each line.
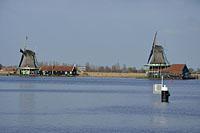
58, 70
10, 70
177, 71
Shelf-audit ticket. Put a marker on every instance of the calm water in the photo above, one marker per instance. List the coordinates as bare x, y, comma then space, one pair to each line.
94, 105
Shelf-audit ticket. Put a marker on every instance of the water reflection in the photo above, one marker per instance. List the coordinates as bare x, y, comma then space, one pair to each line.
159, 118
160, 121
26, 105
26, 102
26, 85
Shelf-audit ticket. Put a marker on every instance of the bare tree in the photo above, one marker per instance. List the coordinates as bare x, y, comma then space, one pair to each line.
114, 68
191, 70
198, 70
101, 69
107, 69
124, 69
87, 67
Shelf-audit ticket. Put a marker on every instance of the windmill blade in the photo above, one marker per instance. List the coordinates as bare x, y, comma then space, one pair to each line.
22, 51
150, 56
34, 61
153, 46
154, 40
21, 60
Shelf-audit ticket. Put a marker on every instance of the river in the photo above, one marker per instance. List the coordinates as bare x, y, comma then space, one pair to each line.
96, 105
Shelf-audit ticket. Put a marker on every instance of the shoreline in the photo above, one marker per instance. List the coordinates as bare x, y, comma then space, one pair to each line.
113, 75
94, 74
99, 74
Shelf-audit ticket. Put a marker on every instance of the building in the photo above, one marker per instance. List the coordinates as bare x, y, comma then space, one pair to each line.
58, 70
157, 60
177, 71
28, 63
81, 69
10, 70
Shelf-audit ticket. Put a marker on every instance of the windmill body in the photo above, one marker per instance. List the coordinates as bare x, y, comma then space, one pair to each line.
157, 60
28, 64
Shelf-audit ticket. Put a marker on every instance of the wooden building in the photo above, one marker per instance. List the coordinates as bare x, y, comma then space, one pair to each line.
10, 70
58, 70
157, 60
28, 63
177, 71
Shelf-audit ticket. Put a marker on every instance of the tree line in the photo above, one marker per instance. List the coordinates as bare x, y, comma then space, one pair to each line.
114, 68
193, 71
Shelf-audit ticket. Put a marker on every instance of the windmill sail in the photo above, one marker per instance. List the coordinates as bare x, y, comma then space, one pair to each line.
153, 46
21, 60
157, 54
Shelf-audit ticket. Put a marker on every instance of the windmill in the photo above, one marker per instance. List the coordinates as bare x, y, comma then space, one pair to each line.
28, 59
157, 59
28, 63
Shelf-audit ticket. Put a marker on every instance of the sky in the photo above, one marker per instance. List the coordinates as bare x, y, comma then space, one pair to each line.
101, 32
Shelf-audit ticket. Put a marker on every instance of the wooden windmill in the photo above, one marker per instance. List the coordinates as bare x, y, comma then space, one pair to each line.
157, 60
28, 59
28, 63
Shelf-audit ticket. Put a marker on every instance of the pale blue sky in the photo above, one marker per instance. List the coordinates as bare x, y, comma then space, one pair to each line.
102, 32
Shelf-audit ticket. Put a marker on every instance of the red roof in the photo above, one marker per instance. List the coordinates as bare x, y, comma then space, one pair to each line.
175, 69
46, 68
56, 68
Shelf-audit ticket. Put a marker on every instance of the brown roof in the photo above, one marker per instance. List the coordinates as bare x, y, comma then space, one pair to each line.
46, 68
9, 69
56, 68
175, 69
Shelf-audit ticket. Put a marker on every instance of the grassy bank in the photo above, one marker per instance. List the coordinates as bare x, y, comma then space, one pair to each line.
120, 75
102, 74
113, 75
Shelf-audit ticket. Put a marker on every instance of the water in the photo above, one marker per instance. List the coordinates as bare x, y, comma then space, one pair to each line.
96, 105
